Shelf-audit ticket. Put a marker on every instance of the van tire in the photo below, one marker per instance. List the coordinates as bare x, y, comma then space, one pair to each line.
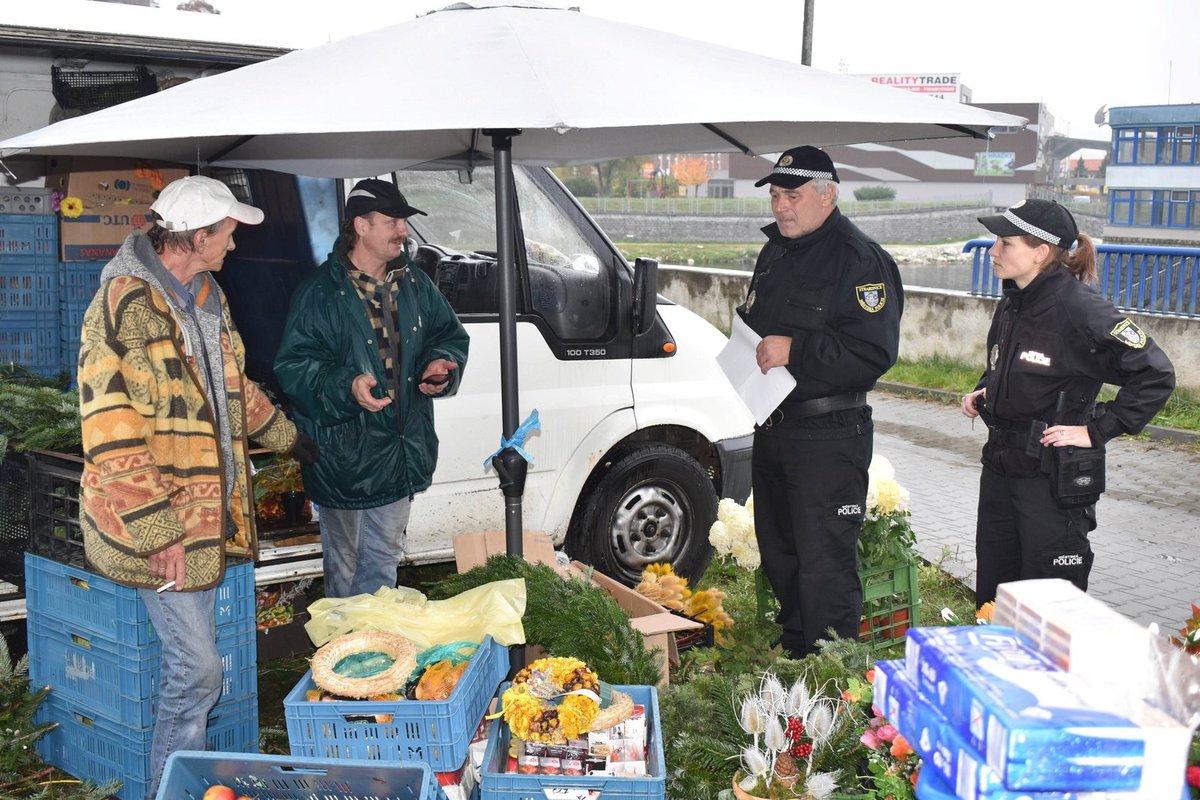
649, 505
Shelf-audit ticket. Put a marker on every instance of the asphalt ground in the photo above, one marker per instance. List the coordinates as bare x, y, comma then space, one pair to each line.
1147, 540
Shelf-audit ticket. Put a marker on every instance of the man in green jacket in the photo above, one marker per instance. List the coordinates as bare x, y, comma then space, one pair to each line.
369, 342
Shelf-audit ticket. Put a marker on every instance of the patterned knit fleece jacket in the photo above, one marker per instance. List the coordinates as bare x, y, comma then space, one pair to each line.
154, 464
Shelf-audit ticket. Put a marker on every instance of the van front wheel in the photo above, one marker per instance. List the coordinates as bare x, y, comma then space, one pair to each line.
652, 505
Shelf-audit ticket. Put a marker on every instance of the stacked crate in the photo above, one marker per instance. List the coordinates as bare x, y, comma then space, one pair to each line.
78, 282
29, 313
91, 642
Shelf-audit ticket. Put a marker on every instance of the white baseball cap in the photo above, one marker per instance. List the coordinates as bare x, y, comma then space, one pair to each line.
196, 202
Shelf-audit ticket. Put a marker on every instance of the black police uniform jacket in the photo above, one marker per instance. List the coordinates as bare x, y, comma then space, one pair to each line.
839, 296
1059, 335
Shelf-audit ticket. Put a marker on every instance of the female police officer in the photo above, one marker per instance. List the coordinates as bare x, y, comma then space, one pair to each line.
1053, 342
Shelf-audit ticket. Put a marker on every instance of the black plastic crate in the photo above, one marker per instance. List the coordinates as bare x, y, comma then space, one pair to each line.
14, 517
75, 89
54, 507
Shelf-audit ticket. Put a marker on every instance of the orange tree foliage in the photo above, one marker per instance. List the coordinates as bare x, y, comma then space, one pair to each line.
690, 170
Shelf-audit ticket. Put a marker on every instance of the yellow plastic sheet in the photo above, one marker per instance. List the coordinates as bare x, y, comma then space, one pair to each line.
495, 608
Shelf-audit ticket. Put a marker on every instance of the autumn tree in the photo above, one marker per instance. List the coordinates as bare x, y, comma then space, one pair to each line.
690, 171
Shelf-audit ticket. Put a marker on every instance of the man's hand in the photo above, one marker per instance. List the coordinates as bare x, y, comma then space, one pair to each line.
168, 565
773, 351
361, 390
436, 376
305, 450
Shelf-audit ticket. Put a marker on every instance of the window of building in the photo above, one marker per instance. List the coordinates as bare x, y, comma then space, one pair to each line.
1147, 146
719, 187
1120, 207
1160, 208
1184, 149
1126, 141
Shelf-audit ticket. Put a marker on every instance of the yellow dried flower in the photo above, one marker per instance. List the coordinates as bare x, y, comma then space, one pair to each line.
533, 718
71, 207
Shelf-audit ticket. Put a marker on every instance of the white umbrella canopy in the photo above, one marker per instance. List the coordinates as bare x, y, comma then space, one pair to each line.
521, 82
580, 88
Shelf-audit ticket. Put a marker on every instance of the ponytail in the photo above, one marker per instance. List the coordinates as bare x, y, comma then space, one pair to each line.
1081, 261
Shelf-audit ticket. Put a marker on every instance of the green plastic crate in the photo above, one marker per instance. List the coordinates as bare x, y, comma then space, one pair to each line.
891, 603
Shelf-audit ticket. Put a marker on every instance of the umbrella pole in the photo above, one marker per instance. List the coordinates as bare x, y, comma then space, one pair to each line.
510, 466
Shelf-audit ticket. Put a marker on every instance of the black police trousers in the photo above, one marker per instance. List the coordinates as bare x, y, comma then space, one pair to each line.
1021, 533
810, 487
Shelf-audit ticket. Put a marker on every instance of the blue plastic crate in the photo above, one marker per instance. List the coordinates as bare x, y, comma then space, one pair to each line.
95, 749
498, 784
78, 281
109, 610
29, 235
120, 681
188, 774
437, 732
27, 288
31, 339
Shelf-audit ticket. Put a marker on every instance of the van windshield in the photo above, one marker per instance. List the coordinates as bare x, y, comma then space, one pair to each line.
568, 283
462, 217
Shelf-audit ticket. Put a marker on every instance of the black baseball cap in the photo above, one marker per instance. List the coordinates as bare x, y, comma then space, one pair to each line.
373, 194
1045, 219
800, 165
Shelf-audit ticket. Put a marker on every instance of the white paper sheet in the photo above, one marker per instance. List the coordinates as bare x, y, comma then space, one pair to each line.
761, 393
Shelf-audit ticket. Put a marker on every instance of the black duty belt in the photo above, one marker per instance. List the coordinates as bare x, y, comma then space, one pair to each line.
1015, 439
815, 407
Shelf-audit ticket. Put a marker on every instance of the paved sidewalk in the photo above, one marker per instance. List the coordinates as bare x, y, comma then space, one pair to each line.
1147, 541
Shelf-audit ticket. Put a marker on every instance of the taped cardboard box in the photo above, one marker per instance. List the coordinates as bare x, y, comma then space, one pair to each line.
657, 625
111, 181
116, 194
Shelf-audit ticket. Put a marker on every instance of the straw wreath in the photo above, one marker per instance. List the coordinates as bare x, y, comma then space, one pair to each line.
391, 679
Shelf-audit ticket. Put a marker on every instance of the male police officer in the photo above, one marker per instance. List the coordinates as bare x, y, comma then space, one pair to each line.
827, 301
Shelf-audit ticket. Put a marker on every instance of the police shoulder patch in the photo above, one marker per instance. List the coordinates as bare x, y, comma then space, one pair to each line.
1128, 333
871, 296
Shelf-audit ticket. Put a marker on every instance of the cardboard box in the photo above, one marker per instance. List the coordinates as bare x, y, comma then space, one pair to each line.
657, 625
98, 233
111, 181
472, 549
116, 195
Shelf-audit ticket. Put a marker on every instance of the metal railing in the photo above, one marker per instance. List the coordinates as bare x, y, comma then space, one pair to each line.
1138, 278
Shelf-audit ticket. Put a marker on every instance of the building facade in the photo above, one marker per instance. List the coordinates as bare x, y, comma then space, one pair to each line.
1153, 179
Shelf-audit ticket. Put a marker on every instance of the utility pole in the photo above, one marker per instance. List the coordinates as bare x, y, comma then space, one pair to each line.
806, 44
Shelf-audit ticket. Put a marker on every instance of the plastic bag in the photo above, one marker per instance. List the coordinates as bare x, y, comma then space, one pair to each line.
495, 608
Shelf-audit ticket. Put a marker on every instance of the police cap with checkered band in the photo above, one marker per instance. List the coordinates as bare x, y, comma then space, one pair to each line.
800, 165
1044, 219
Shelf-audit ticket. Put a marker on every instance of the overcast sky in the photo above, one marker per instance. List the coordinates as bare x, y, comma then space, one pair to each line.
1072, 55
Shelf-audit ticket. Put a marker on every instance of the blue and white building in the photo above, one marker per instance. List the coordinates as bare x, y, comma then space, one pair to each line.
1153, 177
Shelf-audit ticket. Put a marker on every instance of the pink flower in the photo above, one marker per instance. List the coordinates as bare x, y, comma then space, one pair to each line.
886, 733
877, 721
870, 740
1193, 776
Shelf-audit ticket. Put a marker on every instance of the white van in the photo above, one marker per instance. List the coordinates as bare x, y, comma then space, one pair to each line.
640, 432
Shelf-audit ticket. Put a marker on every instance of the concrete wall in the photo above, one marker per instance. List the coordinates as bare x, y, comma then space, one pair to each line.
935, 322
898, 228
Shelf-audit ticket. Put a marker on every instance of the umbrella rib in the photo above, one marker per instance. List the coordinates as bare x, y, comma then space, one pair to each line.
714, 129
222, 153
974, 134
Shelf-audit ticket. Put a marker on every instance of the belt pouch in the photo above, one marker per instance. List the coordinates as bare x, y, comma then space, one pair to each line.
1077, 475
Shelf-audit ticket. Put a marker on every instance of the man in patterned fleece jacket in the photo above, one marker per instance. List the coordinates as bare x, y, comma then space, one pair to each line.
166, 413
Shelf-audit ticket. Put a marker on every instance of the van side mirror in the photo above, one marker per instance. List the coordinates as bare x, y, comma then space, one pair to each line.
645, 294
